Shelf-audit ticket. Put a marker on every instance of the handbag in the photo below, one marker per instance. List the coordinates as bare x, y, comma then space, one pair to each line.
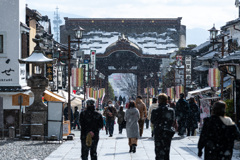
170, 132
123, 124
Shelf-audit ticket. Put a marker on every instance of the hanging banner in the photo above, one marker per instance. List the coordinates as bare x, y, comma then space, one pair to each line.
179, 90
213, 77
77, 77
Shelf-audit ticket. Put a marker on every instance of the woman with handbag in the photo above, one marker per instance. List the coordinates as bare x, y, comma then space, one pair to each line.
120, 121
132, 116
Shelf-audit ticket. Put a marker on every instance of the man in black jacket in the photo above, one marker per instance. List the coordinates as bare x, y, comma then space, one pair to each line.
182, 113
91, 122
162, 119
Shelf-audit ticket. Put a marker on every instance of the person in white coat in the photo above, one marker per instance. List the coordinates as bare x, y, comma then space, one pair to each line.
132, 116
152, 107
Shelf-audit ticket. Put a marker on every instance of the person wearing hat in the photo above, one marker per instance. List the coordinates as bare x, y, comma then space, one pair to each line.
91, 122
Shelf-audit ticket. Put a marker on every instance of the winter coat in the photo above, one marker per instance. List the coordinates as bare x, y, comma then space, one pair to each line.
152, 107
90, 120
182, 109
76, 115
132, 116
110, 113
120, 115
193, 116
163, 119
217, 138
142, 109
65, 112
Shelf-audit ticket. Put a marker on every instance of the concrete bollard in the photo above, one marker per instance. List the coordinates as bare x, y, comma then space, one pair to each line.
11, 132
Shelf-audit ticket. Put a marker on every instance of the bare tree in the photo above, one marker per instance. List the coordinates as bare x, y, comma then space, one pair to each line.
127, 84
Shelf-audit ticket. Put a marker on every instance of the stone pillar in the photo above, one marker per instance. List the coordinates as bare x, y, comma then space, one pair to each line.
35, 117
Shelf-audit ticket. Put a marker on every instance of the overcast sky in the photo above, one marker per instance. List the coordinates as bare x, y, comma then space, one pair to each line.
195, 13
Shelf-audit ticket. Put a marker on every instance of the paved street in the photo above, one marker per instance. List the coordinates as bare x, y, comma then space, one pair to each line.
116, 148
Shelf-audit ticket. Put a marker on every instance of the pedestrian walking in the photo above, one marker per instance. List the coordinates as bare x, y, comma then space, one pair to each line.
76, 116
218, 135
132, 127
110, 113
193, 117
105, 121
143, 113
120, 116
65, 113
153, 106
163, 119
105, 124
117, 105
182, 111
171, 104
91, 122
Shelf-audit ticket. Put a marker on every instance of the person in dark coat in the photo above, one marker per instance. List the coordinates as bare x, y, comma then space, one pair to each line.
76, 116
193, 117
91, 122
182, 111
120, 115
163, 119
218, 135
132, 127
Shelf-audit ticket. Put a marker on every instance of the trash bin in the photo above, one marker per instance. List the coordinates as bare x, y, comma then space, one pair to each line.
11, 132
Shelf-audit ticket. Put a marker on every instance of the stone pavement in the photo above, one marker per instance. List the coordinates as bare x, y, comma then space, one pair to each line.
116, 148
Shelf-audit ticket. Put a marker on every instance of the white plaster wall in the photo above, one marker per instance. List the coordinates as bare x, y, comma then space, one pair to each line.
14, 12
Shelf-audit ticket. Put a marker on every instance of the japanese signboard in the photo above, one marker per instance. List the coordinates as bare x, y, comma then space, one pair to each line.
20, 98
55, 78
49, 68
93, 62
188, 65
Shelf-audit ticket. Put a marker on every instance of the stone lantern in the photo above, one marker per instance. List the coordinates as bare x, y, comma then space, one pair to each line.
35, 118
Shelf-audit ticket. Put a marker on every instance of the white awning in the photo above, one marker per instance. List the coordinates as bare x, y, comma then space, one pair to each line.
198, 91
50, 96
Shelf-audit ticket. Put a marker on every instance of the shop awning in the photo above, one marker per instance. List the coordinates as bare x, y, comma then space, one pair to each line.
198, 91
201, 68
76, 100
50, 96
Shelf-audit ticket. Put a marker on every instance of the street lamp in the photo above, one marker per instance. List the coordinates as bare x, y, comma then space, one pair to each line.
213, 33
78, 35
213, 37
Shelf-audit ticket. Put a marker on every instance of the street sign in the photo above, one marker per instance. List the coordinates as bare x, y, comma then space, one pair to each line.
20, 97
86, 61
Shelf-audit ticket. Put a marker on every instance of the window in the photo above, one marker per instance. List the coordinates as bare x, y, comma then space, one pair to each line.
1, 43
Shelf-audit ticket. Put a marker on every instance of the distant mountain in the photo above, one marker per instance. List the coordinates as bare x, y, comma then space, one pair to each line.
197, 36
